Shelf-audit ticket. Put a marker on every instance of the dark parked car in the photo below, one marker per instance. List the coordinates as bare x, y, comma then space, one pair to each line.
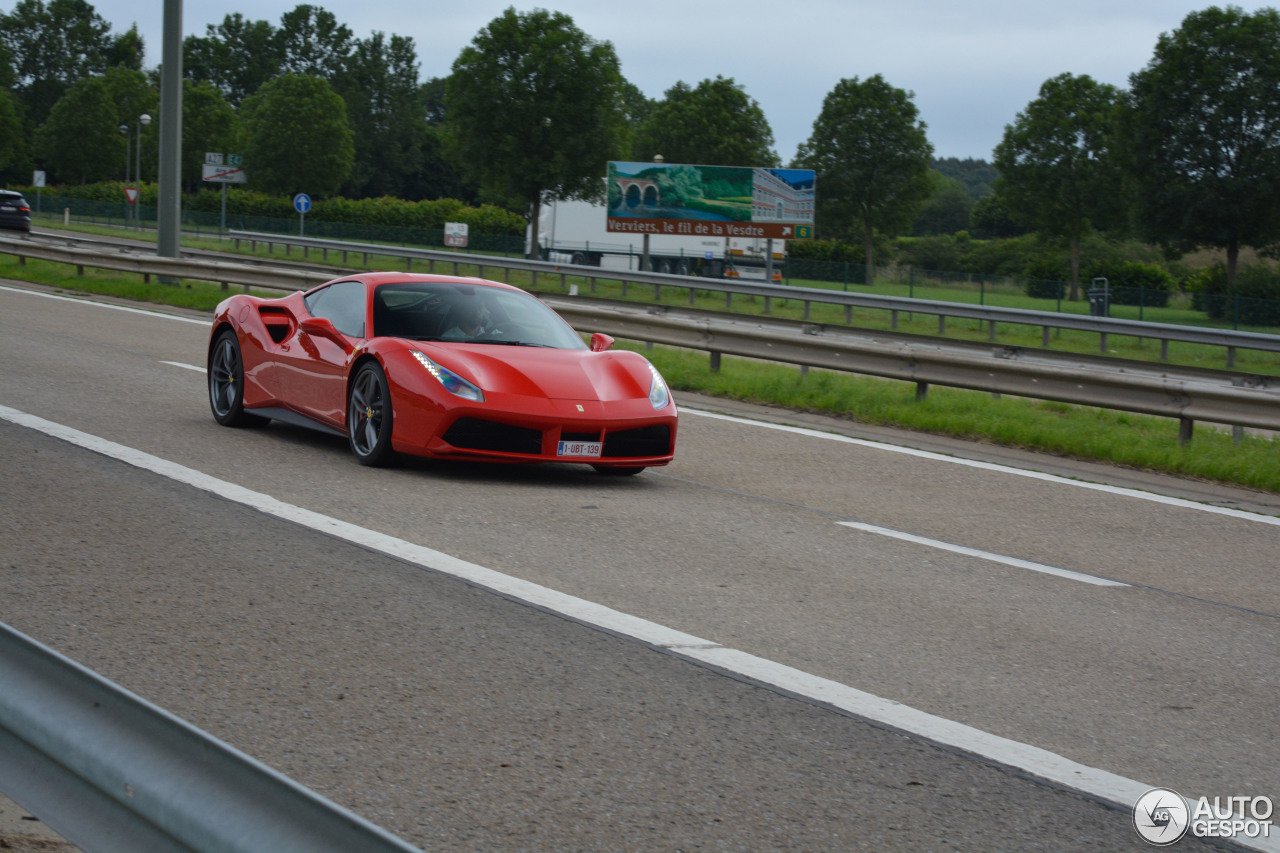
14, 211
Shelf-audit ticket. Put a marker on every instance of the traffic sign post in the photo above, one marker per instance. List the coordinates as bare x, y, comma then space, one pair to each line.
215, 171
302, 203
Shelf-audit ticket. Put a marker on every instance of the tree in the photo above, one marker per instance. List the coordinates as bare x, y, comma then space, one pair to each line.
208, 124
715, 123
380, 87
1058, 170
1203, 133
81, 142
533, 108
237, 56
13, 148
871, 158
53, 47
946, 210
313, 42
127, 50
296, 136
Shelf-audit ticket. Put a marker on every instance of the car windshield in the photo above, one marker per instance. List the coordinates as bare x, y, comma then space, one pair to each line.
467, 313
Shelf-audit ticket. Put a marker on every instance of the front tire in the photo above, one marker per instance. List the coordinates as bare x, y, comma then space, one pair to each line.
369, 416
226, 383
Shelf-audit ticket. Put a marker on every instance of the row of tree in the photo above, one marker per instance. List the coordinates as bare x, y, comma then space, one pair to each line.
1189, 155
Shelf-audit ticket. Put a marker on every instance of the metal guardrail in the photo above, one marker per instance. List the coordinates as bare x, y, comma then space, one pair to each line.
111, 772
1229, 339
1188, 395
1237, 399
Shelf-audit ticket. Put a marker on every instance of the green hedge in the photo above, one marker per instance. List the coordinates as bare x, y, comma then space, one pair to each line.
390, 212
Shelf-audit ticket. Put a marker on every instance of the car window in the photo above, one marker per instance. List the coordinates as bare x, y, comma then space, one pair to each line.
342, 304
437, 311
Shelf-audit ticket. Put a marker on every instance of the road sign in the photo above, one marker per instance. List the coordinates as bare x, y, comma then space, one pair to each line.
131, 193
37, 179
302, 202
213, 158
235, 160
224, 174
455, 234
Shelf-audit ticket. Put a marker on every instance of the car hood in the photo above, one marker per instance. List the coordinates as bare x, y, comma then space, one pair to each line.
554, 374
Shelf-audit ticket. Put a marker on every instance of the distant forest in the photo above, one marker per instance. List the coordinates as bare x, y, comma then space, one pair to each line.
978, 177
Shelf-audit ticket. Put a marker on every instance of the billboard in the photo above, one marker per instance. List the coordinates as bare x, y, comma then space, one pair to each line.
716, 201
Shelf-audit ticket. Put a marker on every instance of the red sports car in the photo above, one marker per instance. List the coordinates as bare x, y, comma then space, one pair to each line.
438, 366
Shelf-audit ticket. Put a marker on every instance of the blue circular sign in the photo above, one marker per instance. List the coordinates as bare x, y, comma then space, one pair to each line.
302, 202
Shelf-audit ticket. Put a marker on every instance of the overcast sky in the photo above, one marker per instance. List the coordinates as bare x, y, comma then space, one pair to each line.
972, 65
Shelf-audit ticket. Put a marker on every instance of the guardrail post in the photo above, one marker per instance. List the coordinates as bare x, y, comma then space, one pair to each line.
942, 324
1102, 345
922, 391
893, 318
1044, 337
1231, 356
766, 305
657, 293
807, 303
991, 333
1185, 428
715, 362
1164, 349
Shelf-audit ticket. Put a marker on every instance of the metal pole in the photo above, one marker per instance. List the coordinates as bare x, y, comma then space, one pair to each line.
169, 205
128, 155
143, 121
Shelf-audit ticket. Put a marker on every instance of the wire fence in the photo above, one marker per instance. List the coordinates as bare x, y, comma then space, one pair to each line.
1211, 309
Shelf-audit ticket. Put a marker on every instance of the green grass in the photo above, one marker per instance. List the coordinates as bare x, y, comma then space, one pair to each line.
1136, 441
1081, 432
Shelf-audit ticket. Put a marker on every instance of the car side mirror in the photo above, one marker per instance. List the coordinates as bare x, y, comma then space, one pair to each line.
322, 327
600, 342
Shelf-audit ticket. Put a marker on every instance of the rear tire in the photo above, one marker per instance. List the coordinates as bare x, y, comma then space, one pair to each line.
369, 416
226, 383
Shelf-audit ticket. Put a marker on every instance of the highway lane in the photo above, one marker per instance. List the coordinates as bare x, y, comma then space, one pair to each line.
1171, 680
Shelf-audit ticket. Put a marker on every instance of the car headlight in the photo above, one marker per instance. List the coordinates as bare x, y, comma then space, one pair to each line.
452, 382
659, 396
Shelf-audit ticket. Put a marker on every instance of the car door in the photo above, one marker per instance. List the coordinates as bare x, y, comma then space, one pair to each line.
314, 373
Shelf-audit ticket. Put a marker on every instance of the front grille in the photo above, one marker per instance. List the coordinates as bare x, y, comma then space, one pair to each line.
634, 443
477, 434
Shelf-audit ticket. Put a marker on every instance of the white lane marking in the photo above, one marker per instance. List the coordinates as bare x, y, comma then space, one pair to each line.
61, 298
992, 466
185, 366
1039, 762
985, 555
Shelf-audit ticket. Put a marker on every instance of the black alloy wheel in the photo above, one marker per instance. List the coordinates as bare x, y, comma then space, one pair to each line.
369, 416
226, 383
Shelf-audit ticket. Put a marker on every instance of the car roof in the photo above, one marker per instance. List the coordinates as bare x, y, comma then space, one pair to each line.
378, 279
11, 193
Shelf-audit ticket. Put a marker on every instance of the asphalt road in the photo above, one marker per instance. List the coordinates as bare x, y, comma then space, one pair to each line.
460, 719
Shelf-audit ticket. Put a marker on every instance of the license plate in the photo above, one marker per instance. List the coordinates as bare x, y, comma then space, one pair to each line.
580, 448
7, 207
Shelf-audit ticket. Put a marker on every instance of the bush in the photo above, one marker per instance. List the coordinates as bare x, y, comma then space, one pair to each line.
1255, 302
1135, 283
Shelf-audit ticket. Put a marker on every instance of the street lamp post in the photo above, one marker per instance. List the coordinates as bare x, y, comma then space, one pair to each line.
143, 121
124, 131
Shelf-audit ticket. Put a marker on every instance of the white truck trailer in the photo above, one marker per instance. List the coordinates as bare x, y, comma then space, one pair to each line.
575, 232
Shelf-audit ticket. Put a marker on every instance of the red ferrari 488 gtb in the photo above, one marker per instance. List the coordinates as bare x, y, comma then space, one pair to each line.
438, 366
